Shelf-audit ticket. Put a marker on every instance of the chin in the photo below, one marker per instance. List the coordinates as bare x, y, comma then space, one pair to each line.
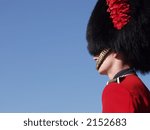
102, 72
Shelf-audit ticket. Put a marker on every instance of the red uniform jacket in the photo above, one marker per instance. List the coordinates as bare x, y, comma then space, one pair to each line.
128, 96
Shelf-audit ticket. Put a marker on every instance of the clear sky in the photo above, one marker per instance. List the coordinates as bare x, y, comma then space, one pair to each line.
44, 63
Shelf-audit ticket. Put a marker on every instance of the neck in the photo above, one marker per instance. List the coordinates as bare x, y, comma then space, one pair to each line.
116, 69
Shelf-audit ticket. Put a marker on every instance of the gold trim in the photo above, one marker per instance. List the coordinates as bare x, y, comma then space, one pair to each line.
101, 58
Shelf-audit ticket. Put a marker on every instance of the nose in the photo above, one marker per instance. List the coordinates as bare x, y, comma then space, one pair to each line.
95, 58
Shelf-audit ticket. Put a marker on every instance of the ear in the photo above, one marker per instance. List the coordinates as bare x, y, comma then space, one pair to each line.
117, 55
114, 54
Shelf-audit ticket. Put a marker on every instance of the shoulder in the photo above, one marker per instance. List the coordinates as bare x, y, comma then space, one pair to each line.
126, 96
132, 81
116, 98
134, 85
114, 91
129, 84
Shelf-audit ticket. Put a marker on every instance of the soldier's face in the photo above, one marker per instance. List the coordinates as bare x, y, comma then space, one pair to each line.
107, 64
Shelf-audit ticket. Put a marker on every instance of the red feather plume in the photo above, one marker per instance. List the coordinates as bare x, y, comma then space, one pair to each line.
119, 12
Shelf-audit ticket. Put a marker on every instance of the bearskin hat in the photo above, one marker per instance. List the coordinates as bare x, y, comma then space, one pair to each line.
124, 27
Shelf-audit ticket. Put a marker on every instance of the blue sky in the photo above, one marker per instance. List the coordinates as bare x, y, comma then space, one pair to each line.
45, 66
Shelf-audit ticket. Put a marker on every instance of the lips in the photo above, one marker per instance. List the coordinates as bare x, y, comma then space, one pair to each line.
101, 58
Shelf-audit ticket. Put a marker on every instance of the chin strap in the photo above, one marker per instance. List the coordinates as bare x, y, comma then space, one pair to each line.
102, 57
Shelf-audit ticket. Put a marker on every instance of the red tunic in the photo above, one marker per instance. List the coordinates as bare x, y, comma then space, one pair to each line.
128, 96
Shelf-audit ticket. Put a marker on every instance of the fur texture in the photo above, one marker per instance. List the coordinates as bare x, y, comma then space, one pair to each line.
133, 40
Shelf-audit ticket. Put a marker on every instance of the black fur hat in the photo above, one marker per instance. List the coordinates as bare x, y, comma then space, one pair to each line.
122, 26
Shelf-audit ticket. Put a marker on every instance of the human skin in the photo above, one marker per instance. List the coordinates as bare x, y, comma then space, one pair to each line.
112, 64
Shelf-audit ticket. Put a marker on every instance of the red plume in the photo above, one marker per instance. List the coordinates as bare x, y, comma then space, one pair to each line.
119, 12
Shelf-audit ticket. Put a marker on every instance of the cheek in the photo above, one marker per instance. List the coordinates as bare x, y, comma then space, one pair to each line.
105, 67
